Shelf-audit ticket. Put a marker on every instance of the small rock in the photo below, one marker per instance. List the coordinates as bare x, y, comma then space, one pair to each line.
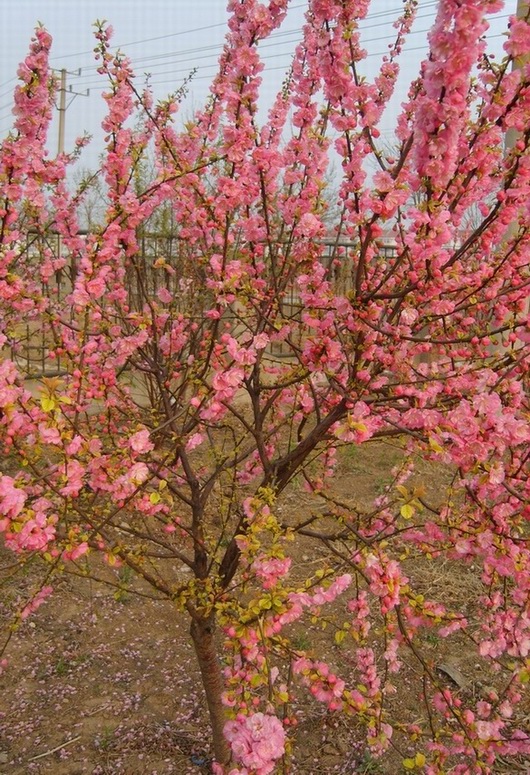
330, 761
342, 746
453, 673
3, 757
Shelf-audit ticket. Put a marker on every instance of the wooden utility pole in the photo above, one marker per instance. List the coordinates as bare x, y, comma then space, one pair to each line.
62, 107
62, 112
523, 7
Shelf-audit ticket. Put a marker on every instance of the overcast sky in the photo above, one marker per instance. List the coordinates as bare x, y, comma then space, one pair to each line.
167, 38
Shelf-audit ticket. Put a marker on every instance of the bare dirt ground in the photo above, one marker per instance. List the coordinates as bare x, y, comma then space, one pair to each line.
100, 682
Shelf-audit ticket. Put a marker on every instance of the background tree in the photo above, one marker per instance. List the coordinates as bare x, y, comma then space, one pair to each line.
175, 431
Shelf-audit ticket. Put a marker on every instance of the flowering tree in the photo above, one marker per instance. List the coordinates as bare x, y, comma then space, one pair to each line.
174, 427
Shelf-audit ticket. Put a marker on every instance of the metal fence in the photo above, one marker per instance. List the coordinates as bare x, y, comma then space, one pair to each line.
161, 262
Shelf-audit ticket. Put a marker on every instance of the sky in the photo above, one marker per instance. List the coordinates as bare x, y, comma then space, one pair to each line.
168, 38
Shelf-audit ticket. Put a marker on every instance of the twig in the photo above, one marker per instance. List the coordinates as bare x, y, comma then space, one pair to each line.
57, 748
97, 710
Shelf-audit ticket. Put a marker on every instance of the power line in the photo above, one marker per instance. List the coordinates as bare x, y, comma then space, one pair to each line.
96, 84
165, 37
179, 54
5, 83
362, 24
182, 55
150, 63
283, 67
377, 14
145, 40
210, 48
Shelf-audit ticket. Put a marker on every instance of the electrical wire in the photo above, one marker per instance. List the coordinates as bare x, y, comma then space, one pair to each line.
284, 67
183, 57
148, 64
161, 37
178, 55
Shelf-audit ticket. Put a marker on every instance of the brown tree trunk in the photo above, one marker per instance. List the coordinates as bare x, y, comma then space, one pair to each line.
203, 636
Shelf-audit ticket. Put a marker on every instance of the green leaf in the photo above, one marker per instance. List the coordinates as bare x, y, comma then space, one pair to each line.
433, 444
407, 511
48, 403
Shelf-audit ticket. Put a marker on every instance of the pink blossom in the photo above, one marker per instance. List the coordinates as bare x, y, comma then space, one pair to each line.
226, 383
74, 446
137, 474
488, 730
391, 655
269, 570
195, 440
309, 225
323, 684
257, 741
74, 473
49, 435
139, 442
77, 552
213, 411
261, 341
35, 534
12, 498
165, 296
36, 602
242, 355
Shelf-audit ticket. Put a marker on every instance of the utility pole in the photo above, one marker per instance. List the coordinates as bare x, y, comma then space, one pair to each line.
523, 7
62, 112
62, 107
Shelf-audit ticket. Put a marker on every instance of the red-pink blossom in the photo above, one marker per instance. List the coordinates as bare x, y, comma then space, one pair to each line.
257, 741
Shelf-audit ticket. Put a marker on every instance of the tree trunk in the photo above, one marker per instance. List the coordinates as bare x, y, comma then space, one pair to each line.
203, 636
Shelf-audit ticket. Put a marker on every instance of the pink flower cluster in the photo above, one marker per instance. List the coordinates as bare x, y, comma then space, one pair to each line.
322, 595
386, 580
300, 600
36, 602
323, 684
139, 442
257, 741
35, 528
12, 500
269, 570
